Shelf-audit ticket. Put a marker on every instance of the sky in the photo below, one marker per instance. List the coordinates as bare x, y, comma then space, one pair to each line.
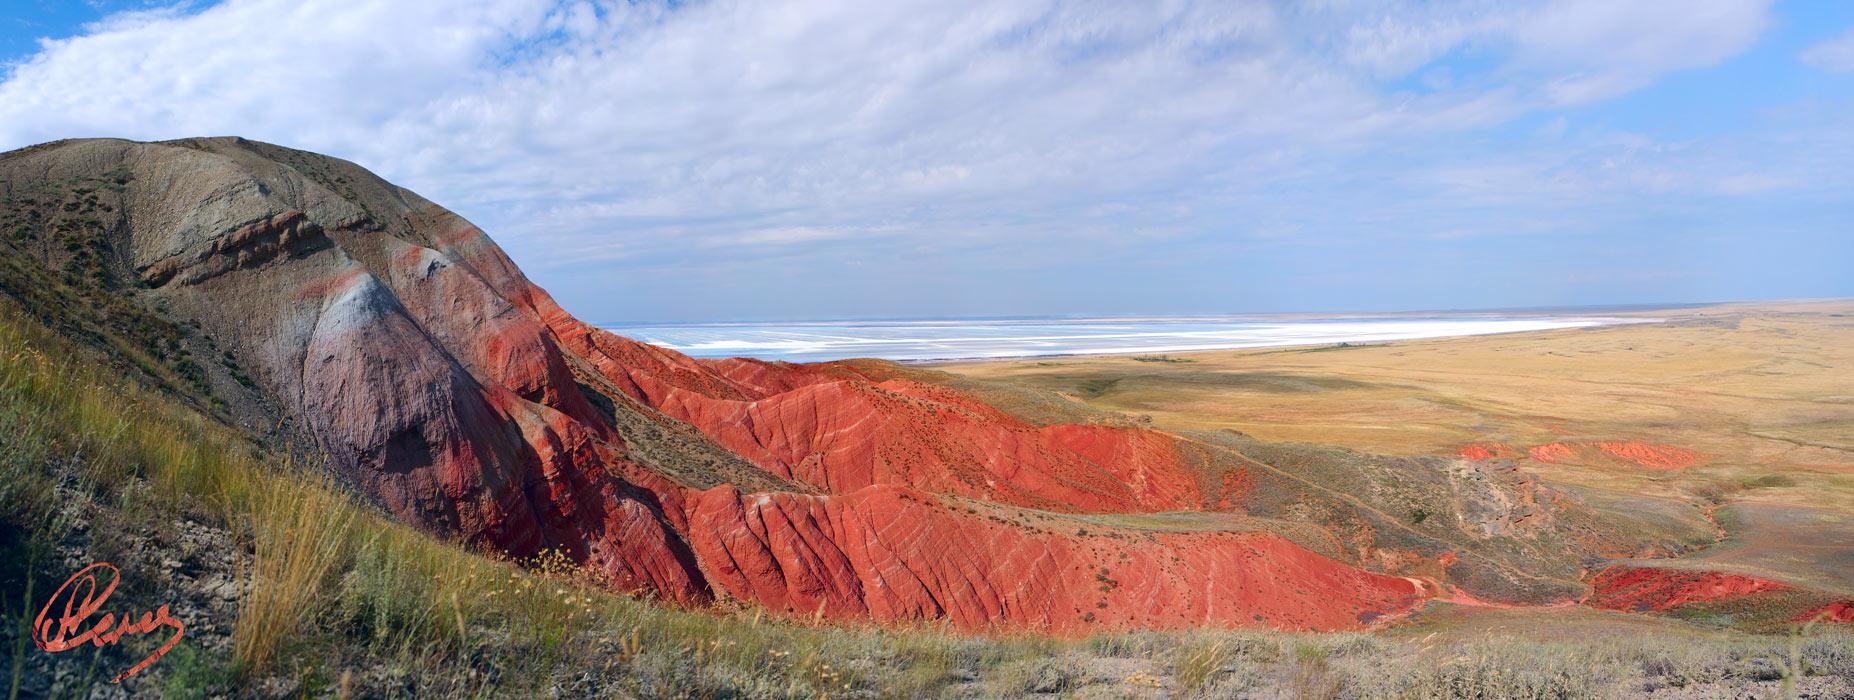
761, 160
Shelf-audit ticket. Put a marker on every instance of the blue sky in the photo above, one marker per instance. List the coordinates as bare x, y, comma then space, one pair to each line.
700, 161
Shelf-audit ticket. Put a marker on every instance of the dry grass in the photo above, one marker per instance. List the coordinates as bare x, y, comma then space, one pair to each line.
1745, 385
1213, 666
67, 407
300, 529
1760, 390
1197, 664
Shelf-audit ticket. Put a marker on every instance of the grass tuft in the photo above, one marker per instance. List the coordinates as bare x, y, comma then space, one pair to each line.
300, 531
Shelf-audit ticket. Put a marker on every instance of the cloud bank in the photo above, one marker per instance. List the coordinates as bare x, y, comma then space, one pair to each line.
709, 160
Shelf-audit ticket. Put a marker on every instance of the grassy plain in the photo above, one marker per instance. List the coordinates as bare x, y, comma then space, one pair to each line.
1763, 391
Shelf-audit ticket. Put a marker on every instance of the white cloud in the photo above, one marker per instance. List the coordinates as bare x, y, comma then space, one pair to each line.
578, 131
779, 236
1570, 51
1835, 55
1621, 46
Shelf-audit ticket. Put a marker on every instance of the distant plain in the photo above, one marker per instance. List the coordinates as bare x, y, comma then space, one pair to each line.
1762, 392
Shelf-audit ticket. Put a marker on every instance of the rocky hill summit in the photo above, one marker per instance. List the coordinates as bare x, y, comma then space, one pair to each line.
324, 310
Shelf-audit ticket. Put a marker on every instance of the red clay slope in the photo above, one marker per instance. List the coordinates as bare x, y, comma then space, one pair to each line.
828, 427
1841, 612
1650, 588
881, 546
890, 554
446, 387
1641, 454
1654, 588
1490, 450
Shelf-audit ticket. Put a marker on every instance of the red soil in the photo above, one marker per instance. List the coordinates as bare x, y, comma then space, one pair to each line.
889, 554
1551, 453
1490, 450
1840, 612
1641, 454
1651, 455
1652, 588
812, 424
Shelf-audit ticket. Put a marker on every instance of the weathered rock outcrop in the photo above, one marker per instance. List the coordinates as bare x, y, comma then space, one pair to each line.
412, 353
887, 554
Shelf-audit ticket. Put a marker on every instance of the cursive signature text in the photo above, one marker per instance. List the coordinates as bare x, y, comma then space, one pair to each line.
73, 628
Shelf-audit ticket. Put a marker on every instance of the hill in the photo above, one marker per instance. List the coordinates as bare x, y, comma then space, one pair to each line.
247, 305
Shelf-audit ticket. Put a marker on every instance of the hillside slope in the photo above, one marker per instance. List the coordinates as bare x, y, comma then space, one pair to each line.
316, 305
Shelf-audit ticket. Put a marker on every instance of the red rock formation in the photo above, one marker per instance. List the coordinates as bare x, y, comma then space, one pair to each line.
1551, 453
461, 398
1490, 450
888, 554
845, 435
440, 448
1640, 454
1655, 588
1651, 455
885, 548
489, 334
1839, 612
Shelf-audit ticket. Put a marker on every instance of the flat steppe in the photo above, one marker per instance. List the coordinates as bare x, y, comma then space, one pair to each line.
1739, 414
